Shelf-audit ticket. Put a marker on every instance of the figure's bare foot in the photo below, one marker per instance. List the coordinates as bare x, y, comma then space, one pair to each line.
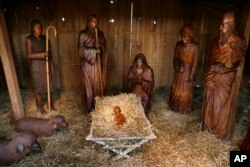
41, 110
53, 109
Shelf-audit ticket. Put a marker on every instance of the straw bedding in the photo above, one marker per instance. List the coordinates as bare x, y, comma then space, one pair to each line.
179, 143
103, 118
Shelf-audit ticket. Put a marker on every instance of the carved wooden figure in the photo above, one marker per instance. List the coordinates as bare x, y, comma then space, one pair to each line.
36, 50
141, 80
221, 86
185, 66
119, 117
41, 127
93, 53
15, 149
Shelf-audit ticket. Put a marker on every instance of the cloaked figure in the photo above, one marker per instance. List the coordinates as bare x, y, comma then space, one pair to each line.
119, 117
222, 80
92, 50
12, 150
185, 66
141, 80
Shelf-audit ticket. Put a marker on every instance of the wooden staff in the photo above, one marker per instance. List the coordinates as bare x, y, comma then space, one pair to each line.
99, 62
47, 64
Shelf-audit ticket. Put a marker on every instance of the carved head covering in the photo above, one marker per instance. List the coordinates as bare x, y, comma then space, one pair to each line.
90, 18
187, 29
140, 56
229, 18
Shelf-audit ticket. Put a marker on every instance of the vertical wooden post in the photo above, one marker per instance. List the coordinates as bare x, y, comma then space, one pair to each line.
9, 69
121, 40
240, 73
247, 26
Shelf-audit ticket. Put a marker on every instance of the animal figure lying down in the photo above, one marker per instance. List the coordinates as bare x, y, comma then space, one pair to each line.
15, 149
41, 127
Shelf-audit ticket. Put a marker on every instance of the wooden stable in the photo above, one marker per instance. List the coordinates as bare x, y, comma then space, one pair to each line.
130, 27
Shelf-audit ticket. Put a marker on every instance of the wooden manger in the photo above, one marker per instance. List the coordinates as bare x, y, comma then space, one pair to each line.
120, 138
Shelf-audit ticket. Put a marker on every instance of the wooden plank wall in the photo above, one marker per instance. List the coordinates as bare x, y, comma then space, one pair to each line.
153, 30
130, 27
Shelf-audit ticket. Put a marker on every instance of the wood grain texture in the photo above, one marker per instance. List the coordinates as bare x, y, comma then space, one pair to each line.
130, 27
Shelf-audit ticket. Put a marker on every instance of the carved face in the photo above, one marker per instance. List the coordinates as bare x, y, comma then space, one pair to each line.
139, 63
187, 33
224, 32
37, 30
227, 27
94, 23
186, 39
117, 109
224, 26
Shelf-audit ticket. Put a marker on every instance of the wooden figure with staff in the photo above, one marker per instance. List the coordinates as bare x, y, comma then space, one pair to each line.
38, 52
93, 53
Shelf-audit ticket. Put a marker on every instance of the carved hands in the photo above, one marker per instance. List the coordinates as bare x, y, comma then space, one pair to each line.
219, 67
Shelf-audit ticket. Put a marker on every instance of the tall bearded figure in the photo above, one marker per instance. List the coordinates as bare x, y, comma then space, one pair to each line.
93, 53
221, 85
185, 65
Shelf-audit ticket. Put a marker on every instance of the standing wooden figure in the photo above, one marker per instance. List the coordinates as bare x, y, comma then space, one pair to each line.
93, 52
185, 66
221, 86
37, 54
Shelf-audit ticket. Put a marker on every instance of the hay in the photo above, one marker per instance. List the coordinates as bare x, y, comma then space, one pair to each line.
103, 118
120, 138
179, 142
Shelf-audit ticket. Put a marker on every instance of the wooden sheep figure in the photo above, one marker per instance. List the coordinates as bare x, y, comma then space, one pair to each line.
41, 127
15, 149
